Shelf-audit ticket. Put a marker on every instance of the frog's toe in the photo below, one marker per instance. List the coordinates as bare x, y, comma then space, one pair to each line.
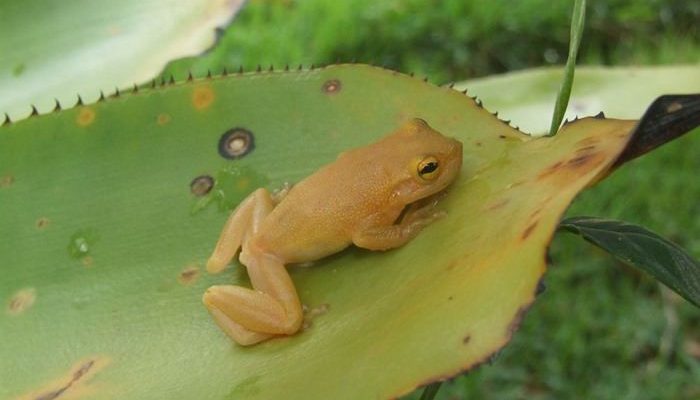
241, 335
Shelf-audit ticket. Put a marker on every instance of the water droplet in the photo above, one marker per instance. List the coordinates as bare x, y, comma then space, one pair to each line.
81, 243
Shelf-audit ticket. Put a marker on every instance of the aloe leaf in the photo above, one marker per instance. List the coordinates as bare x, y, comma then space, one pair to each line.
108, 212
639, 247
56, 50
525, 97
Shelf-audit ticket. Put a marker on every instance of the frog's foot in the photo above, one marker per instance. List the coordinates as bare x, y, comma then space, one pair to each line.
235, 331
250, 316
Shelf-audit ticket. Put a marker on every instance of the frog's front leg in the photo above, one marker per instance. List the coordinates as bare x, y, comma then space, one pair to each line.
374, 236
273, 308
243, 222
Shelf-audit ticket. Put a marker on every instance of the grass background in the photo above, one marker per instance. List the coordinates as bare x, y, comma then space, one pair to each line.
601, 330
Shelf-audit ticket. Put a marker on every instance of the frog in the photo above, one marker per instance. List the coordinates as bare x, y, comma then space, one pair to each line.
377, 197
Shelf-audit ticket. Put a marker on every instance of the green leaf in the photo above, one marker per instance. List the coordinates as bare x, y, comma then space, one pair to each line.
57, 50
525, 97
644, 249
124, 181
577, 21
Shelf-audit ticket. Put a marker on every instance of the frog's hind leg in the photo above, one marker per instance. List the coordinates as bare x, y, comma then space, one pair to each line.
273, 308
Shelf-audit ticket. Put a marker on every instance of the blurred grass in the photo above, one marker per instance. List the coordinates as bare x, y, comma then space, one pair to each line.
601, 330
451, 40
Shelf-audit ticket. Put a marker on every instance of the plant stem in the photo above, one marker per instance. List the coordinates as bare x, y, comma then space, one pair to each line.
430, 391
577, 21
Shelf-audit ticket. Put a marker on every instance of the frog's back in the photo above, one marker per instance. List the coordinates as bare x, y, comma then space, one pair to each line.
319, 214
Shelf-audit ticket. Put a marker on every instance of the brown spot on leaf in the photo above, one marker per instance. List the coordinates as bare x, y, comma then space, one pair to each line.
6, 181
529, 230
21, 301
73, 385
550, 170
467, 339
87, 261
589, 141
452, 265
42, 223
188, 275
163, 118
331, 86
535, 214
580, 160
202, 97
85, 117
586, 149
497, 204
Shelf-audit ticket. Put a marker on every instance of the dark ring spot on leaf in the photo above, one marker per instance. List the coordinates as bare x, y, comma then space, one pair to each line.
201, 185
236, 143
467, 339
331, 86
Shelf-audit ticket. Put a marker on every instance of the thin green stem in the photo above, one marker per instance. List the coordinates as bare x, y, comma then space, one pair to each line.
430, 391
577, 21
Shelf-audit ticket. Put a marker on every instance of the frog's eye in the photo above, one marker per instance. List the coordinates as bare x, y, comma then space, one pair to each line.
428, 168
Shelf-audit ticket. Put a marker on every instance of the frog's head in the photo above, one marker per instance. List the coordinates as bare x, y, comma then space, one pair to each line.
428, 161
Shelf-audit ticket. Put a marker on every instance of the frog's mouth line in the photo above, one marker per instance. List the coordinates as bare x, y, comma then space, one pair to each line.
420, 203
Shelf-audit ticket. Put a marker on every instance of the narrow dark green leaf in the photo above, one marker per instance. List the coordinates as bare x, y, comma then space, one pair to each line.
577, 21
430, 391
641, 248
